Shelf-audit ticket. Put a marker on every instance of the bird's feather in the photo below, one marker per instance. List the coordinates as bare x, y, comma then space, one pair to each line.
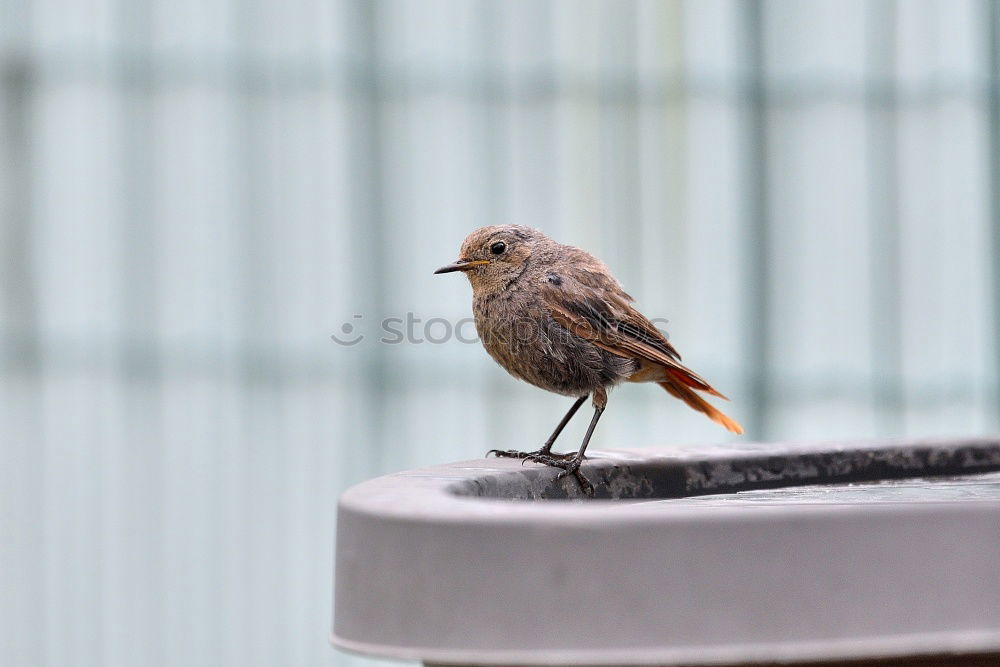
701, 405
593, 305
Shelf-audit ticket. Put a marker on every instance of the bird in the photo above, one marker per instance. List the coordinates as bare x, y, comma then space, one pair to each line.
555, 316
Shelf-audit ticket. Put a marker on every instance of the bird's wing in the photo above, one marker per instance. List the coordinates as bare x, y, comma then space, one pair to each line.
591, 304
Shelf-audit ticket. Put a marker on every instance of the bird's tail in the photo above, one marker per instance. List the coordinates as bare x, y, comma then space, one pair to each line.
679, 390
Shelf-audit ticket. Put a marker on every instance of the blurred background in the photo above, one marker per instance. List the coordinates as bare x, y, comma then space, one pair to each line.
195, 195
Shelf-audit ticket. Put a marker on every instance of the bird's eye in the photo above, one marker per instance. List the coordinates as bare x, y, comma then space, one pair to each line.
498, 248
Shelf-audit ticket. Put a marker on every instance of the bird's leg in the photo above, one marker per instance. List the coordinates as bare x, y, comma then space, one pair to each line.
547, 447
571, 465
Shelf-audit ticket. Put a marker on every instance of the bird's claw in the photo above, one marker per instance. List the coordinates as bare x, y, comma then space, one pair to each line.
509, 453
540, 455
570, 464
572, 467
555, 460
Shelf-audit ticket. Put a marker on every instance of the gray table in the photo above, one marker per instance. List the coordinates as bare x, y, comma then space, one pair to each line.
785, 552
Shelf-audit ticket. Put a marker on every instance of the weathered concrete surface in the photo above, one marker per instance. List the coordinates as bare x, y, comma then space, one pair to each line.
711, 554
680, 472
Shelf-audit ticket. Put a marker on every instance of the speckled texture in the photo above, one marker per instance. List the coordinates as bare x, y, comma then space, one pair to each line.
721, 469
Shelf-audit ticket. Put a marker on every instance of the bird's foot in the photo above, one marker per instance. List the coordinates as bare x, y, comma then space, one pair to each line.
572, 467
570, 464
550, 459
536, 455
510, 453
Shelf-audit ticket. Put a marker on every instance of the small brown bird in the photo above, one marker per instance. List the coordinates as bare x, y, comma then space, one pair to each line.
553, 315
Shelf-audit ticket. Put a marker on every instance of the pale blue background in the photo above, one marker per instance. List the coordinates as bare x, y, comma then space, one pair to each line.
195, 194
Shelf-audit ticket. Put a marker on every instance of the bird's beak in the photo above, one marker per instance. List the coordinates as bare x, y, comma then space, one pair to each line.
462, 265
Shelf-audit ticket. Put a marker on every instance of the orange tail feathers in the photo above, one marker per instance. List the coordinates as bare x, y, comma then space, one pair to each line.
696, 402
689, 378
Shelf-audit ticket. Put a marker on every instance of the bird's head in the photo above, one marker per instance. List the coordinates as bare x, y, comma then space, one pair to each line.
492, 257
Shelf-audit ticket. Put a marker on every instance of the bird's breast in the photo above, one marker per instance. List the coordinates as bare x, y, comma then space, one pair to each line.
521, 335
514, 333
